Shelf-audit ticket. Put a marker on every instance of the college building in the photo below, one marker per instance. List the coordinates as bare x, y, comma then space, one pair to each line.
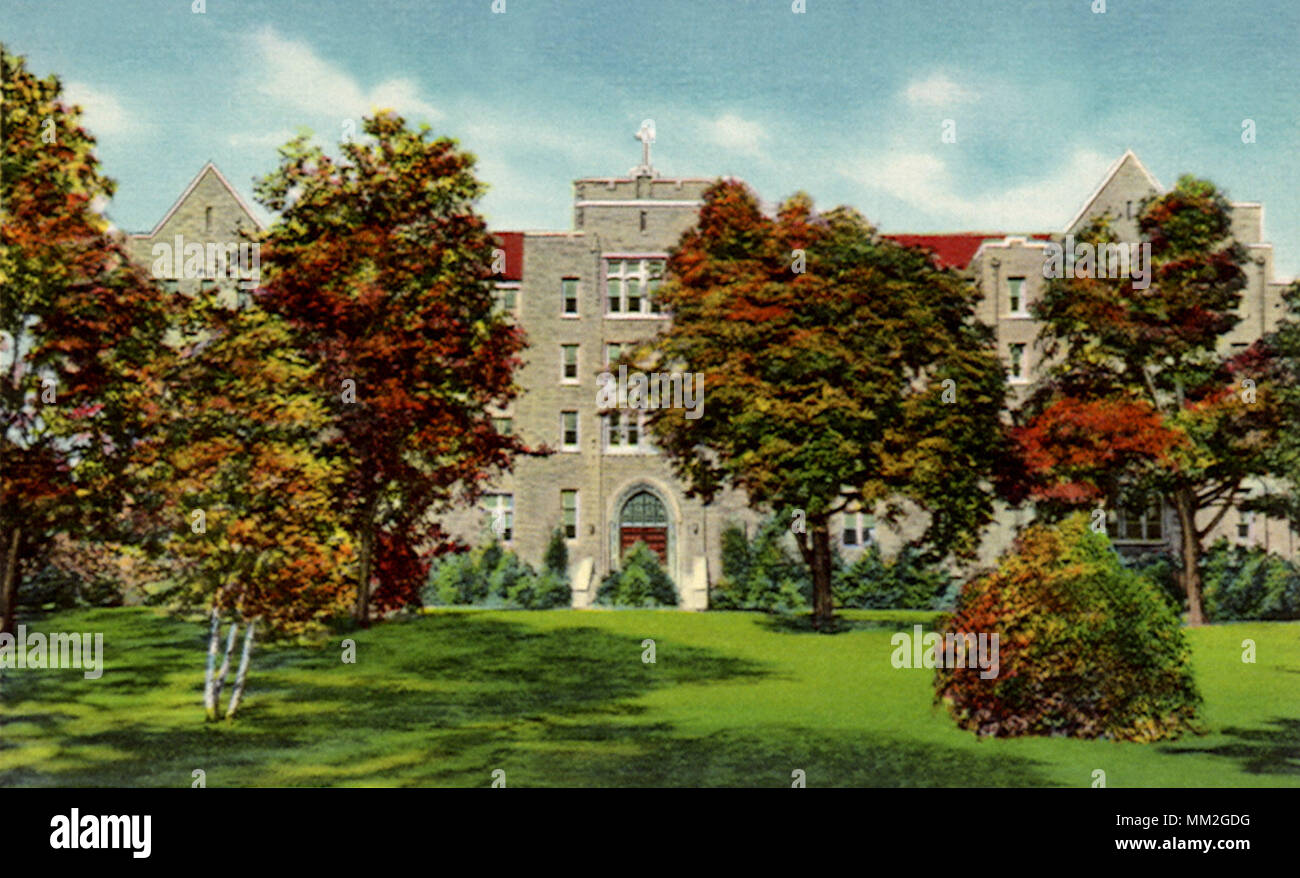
586, 294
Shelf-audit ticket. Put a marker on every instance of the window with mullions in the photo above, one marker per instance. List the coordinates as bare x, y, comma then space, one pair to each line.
1140, 525
631, 286
569, 511
569, 297
569, 363
1016, 298
569, 431
859, 529
625, 431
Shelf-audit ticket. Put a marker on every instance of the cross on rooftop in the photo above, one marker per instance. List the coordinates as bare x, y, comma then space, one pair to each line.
646, 135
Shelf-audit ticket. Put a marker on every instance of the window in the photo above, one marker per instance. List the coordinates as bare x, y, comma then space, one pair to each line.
1243, 526
569, 363
859, 529
630, 285
569, 297
643, 214
625, 431
652, 285
1017, 362
569, 510
207, 219
507, 298
569, 431
1017, 296
1136, 525
501, 515
613, 352
614, 290
504, 426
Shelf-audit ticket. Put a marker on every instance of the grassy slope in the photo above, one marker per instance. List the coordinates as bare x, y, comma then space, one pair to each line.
563, 698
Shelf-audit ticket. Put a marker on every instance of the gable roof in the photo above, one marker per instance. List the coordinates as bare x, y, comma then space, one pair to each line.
1128, 157
221, 178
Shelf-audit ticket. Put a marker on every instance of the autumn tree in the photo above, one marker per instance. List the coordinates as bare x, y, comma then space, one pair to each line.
384, 270
1280, 349
1141, 401
241, 491
79, 330
839, 368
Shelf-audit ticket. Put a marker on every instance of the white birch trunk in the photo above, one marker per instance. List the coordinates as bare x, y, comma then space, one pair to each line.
237, 694
214, 641
223, 670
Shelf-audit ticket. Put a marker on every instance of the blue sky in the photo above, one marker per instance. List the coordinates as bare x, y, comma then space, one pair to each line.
845, 101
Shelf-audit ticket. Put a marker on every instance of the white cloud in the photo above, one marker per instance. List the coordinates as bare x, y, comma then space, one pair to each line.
730, 131
102, 112
924, 181
292, 73
937, 90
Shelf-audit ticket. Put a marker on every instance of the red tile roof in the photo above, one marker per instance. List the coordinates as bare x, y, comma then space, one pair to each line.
513, 244
955, 250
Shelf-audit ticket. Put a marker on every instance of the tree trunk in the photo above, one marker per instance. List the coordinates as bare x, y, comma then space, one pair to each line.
1191, 556
214, 642
9, 585
237, 694
222, 671
823, 599
361, 613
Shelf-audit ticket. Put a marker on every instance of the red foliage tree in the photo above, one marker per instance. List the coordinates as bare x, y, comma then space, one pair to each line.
384, 270
80, 331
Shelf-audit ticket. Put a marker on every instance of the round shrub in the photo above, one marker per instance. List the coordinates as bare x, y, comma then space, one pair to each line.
640, 582
1087, 648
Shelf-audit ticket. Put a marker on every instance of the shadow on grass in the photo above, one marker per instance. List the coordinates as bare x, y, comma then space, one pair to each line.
1274, 750
801, 623
445, 700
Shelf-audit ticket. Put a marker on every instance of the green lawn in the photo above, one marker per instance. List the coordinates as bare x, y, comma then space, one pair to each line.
563, 698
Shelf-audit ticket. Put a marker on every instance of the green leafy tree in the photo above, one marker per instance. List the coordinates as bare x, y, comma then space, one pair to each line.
1283, 349
1141, 402
824, 350
240, 487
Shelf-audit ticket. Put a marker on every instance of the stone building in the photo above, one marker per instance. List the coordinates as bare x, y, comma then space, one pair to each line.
585, 294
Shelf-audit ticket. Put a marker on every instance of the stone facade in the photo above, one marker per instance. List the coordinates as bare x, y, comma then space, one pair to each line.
581, 294
999, 264
209, 213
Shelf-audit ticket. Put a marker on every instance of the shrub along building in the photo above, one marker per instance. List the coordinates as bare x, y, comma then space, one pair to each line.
586, 295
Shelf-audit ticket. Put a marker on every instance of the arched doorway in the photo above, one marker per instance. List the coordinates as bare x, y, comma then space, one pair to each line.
643, 519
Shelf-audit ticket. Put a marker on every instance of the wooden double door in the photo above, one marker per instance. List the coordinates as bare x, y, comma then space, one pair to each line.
643, 519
